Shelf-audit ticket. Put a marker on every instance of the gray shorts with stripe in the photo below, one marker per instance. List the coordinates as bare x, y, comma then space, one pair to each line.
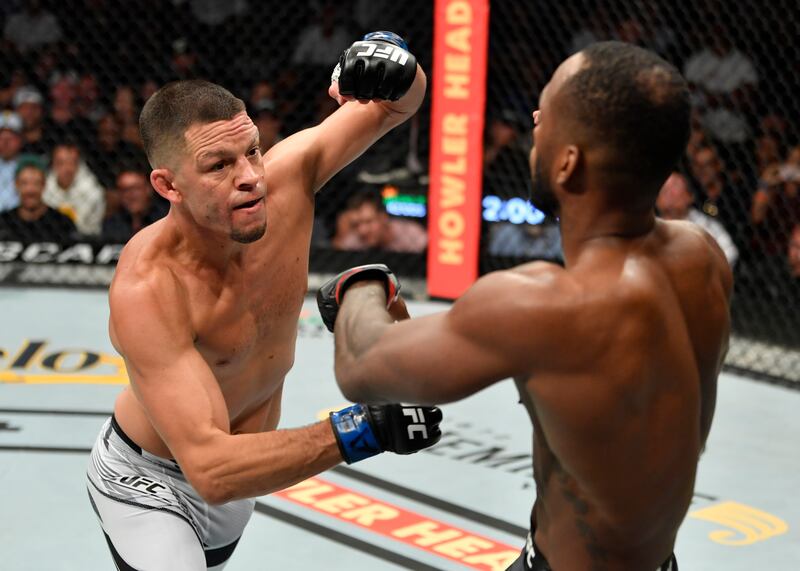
152, 518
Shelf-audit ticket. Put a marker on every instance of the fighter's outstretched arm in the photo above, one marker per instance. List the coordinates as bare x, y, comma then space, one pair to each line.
342, 137
182, 399
496, 330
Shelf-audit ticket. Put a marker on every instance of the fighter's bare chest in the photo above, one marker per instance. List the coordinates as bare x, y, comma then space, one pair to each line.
249, 324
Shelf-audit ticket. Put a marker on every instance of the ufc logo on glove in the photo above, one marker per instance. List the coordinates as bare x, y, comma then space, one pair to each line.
397, 55
417, 416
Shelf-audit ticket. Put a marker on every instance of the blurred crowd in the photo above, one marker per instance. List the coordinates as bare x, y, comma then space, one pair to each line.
740, 176
75, 75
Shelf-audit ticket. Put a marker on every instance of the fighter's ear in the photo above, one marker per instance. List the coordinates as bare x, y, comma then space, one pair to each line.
162, 180
568, 161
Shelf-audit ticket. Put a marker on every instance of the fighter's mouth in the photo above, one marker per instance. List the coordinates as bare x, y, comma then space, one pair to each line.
248, 204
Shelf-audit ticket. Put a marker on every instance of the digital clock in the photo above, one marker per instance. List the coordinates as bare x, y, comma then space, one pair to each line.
514, 210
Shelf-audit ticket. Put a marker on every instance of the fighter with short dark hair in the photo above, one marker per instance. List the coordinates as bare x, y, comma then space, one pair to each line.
204, 310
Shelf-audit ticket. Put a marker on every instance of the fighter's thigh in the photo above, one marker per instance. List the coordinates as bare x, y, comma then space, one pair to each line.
147, 539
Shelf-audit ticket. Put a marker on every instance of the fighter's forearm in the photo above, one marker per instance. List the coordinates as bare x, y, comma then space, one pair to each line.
249, 465
361, 321
407, 105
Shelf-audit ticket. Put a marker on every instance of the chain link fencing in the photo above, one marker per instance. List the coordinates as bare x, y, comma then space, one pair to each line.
75, 73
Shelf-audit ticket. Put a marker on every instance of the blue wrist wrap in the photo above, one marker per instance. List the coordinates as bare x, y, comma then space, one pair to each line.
353, 433
390, 37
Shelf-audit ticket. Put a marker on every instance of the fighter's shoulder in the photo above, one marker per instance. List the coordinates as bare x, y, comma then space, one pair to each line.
695, 245
521, 290
145, 280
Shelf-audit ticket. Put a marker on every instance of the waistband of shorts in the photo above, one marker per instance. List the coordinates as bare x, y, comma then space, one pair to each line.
169, 462
533, 560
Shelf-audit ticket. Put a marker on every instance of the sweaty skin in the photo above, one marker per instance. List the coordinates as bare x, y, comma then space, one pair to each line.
205, 302
615, 356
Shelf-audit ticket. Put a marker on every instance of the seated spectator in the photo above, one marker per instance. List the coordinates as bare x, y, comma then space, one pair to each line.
719, 198
32, 28
126, 109
107, 150
675, 202
776, 208
63, 123
87, 98
506, 154
73, 189
364, 224
33, 220
322, 40
10, 145
793, 253
29, 105
723, 79
266, 120
138, 207
532, 242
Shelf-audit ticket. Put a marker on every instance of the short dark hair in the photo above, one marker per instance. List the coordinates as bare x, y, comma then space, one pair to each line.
178, 105
366, 196
631, 100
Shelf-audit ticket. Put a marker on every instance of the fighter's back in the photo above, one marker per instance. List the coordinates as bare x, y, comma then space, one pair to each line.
622, 412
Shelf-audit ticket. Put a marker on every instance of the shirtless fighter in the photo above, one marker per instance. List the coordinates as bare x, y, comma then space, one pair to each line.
615, 356
204, 309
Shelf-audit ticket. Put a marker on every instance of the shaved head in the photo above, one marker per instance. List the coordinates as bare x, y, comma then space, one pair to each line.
174, 108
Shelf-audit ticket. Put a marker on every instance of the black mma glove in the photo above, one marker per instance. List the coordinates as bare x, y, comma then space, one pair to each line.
366, 430
377, 67
330, 295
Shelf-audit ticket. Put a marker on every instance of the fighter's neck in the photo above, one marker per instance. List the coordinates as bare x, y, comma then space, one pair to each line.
199, 246
586, 229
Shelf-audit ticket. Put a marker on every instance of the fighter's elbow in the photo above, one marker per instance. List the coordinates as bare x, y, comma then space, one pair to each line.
208, 478
350, 382
211, 488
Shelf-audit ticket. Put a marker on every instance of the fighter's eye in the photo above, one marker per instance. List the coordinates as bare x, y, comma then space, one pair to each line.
254, 151
218, 166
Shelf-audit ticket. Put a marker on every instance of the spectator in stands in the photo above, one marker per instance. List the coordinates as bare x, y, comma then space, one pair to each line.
107, 150
184, 63
10, 145
87, 98
528, 241
767, 151
720, 200
364, 225
793, 253
776, 208
675, 202
62, 122
138, 207
73, 189
322, 40
126, 110
697, 136
265, 118
32, 28
505, 155
13, 80
33, 220
723, 79
29, 105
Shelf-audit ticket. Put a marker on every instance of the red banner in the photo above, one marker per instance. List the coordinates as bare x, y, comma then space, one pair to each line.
458, 89
396, 523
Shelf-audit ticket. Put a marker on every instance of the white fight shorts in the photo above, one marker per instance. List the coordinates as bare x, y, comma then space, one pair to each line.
153, 519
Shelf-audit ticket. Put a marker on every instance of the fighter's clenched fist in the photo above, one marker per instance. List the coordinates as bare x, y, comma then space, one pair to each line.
377, 67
